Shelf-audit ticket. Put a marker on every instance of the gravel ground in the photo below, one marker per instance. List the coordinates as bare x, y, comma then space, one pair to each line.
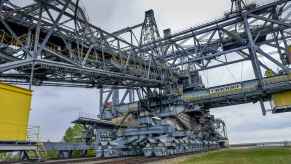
177, 160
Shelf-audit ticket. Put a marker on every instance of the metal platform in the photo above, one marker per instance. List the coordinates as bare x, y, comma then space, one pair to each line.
95, 122
65, 150
22, 147
59, 146
17, 146
281, 110
239, 93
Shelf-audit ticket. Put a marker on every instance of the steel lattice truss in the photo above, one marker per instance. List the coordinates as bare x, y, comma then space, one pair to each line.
239, 36
52, 43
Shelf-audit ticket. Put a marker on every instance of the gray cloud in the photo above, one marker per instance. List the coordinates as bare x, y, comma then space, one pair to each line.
54, 108
245, 123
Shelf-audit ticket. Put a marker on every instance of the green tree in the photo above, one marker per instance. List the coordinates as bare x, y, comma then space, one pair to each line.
74, 134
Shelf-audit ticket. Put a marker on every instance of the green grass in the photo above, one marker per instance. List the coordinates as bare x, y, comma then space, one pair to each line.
244, 156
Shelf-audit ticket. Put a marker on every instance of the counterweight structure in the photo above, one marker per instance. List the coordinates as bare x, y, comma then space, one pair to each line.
152, 98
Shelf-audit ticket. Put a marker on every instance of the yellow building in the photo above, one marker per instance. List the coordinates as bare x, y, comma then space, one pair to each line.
14, 112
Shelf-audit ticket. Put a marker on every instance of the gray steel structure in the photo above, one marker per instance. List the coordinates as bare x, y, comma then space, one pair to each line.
245, 33
55, 45
143, 74
52, 43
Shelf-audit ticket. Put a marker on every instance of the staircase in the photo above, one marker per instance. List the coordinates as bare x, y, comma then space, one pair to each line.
185, 119
41, 152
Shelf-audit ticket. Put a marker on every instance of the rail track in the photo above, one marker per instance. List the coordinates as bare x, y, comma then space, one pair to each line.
94, 160
121, 160
124, 160
89, 160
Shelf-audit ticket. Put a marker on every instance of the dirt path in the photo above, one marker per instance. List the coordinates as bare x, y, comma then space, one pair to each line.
177, 160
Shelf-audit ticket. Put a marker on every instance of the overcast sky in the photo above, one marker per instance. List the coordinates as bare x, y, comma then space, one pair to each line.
54, 108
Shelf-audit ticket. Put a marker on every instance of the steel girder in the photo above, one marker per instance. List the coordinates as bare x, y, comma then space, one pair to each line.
237, 37
246, 33
53, 41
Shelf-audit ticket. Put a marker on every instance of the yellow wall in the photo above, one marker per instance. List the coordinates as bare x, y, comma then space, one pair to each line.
14, 112
282, 99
